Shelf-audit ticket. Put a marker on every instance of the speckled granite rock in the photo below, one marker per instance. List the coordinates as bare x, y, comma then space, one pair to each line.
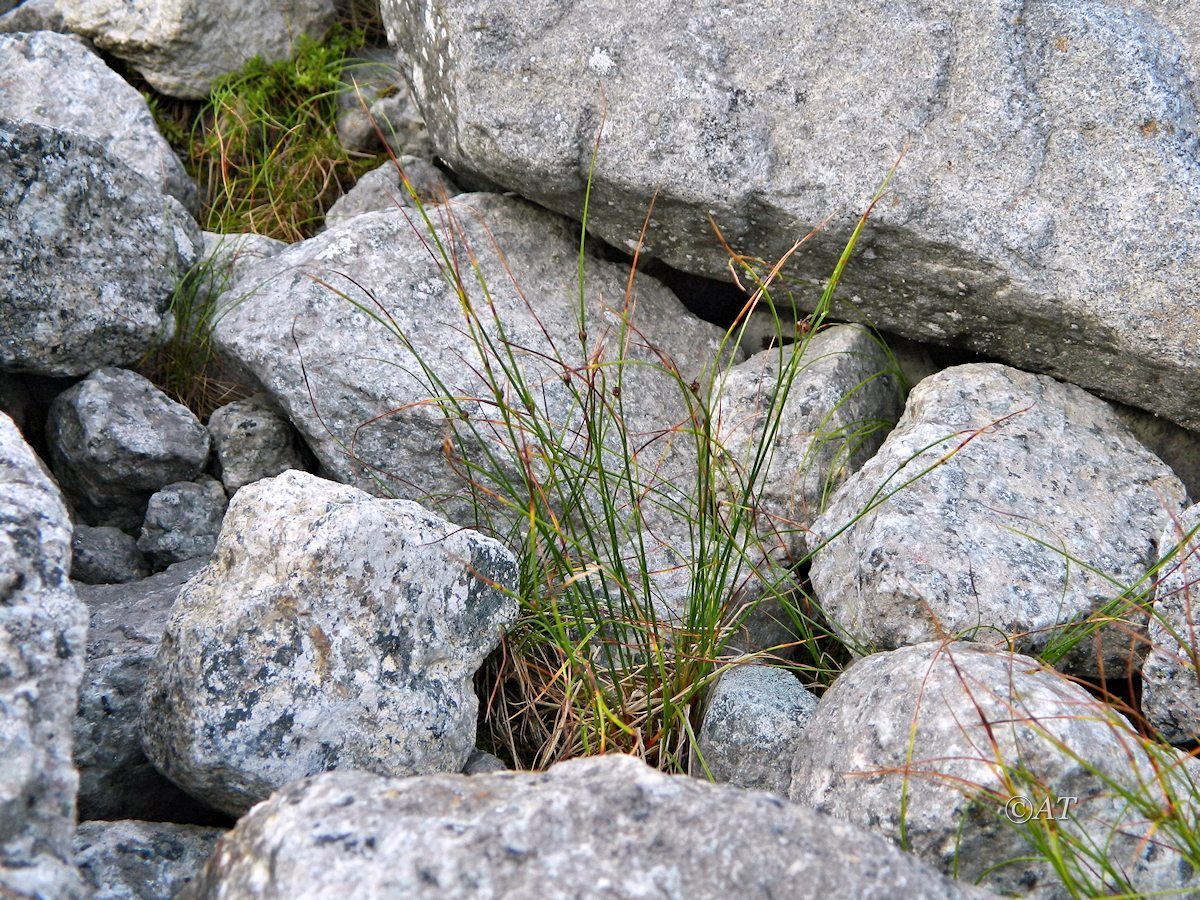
383, 188
1034, 470
182, 521
252, 440
129, 860
608, 826
42, 631
329, 630
105, 555
947, 714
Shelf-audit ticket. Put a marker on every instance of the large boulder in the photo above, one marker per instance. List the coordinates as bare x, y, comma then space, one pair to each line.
90, 252
182, 46
1171, 677
972, 757
355, 363
1004, 506
526, 835
56, 81
115, 439
329, 630
1043, 214
42, 631
125, 624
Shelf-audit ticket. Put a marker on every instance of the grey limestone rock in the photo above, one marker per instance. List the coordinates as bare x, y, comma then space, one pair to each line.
182, 46
932, 744
383, 188
182, 521
1170, 679
1043, 213
56, 81
1029, 482
42, 632
90, 252
607, 826
751, 724
329, 630
105, 555
130, 860
252, 440
115, 439
116, 781
842, 398
354, 388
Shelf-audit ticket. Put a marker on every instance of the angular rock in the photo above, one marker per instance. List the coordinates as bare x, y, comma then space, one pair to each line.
482, 763
116, 781
130, 860
329, 630
89, 253
985, 735
1170, 679
754, 717
106, 555
252, 441
1037, 481
376, 108
1043, 214
182, 46
383, 188
524, 835
182, 521
115, 439
33, 15
42, 631
56, 81
353, 388
841, 400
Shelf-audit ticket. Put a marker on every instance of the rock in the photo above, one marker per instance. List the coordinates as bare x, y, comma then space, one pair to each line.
754, 717
90, 253
106, 555
1170, 683
129, 860
33, 15
43, 627
115, 439
983, 734
1038, 481
376, 108
251, 441
383, 188
1042, 214
526, 834
482, 763
116, 781
329, 630
1178, 447
352, 387
56, 81
182, 46
182, 522
841, 400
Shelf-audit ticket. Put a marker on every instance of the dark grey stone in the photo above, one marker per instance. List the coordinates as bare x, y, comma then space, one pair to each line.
106, 555
129, 860
182, 522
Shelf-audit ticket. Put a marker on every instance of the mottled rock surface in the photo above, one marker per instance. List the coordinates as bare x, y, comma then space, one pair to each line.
129, 860
841, 400
33, 15
1043, 214
106, 555
329, 630
976, 728
116, 781
1170, 680
56, 81
252, 440
89, 253
115, 439
607, 826
182, 46
751, 724
376, 108
1034, 472
42, 631
182, 521
383, 188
